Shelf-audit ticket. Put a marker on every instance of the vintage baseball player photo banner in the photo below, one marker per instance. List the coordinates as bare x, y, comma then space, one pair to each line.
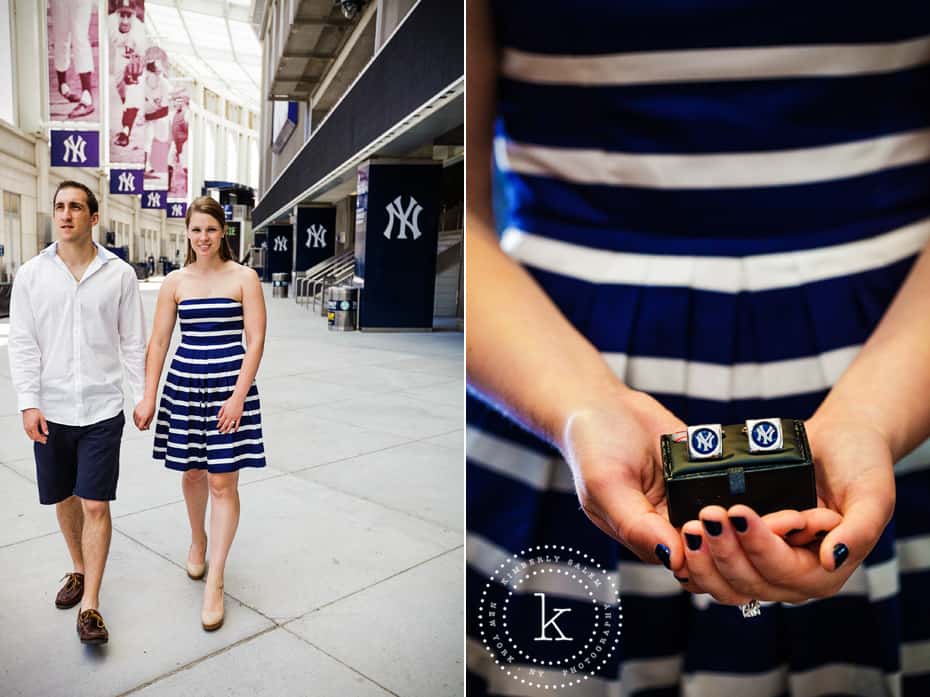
157, 91
178, 150
125, 181
75, 148
177, 209
73, 62
127, 46
154, 199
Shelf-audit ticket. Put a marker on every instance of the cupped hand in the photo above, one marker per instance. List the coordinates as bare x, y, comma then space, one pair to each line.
742, 556
230, 414
612, 447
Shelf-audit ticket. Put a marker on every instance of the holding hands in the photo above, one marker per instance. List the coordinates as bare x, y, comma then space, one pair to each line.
612, 447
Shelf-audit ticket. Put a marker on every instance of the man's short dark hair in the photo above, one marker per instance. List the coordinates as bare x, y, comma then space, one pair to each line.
91, 199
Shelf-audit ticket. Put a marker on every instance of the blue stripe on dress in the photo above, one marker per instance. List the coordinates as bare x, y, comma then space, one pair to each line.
186, 434
724, 117
596, 27
720, 221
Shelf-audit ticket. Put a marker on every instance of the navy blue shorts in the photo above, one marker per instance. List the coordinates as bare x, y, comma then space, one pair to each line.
80, 460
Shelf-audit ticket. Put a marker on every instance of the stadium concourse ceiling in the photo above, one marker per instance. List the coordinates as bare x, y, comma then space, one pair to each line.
212, 40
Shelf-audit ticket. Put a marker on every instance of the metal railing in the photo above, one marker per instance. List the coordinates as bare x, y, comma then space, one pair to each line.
334, 279
305, 281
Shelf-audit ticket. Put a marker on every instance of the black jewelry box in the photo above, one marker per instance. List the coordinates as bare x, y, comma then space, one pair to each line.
767, 481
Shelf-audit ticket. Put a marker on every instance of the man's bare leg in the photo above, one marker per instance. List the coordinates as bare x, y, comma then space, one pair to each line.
71, 521
95, 543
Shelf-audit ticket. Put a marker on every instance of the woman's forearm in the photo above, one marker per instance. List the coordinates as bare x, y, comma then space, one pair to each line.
250, 363
154, 362
888, 384
528, 360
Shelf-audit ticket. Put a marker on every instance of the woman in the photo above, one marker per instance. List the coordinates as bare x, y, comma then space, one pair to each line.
209, 422
715, 211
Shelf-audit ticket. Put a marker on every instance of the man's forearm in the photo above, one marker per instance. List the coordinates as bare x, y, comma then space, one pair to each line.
888, 384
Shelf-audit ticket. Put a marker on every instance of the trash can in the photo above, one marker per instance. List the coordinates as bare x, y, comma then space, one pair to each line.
342, 308
279, 283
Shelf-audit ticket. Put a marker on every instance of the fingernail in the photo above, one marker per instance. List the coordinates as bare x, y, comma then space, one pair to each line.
793, 532
840, 552
664, 555
713, 527
681, 580
694, 541
739, 522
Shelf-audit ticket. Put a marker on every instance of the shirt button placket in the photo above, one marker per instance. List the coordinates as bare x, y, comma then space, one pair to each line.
77, 356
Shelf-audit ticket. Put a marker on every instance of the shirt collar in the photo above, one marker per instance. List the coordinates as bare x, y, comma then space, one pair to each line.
103, 253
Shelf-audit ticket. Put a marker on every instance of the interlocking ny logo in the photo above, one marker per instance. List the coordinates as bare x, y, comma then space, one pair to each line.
154, 199
74, 148
396, 210
280, 243
545, 623
704, 441
764, 433
177, 209
316, 236
126, 182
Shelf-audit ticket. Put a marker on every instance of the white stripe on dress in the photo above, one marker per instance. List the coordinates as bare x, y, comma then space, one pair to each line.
187, 388
213, 446
208, 347
207, 361
211, 432
231, 332
184, 417
223, 374
715, 64
758, 272
194, 320
717, 170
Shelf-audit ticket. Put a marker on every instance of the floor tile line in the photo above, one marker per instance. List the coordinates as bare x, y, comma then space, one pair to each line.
372, 585
197, 661
340, 661
17, 472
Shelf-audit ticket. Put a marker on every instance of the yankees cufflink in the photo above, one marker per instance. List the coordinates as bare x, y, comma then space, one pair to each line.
766, 480
764, 435
705, 441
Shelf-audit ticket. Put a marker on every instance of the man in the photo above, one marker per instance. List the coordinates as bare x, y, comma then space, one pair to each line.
128, 44
70, 28
75, 322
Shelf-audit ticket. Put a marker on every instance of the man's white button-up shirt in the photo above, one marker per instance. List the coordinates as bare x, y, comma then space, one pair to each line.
71, 341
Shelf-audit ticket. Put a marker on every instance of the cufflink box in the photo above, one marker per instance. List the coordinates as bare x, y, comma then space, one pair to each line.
767, 481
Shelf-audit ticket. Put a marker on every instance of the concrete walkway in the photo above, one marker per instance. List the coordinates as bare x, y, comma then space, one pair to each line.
346, 575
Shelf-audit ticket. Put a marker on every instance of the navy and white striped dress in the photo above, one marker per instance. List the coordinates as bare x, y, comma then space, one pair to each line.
724, 201
202, 376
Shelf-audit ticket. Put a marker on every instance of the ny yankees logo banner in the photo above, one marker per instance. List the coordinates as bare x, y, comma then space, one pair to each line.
280, 248
125, 181
154, 199
177, 209
315, 235
75, 148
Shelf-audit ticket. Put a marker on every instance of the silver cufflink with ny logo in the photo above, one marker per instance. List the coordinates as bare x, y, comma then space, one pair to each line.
705, 441
764, 435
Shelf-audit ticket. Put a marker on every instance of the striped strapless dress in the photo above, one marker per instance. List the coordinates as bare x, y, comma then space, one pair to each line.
202, 376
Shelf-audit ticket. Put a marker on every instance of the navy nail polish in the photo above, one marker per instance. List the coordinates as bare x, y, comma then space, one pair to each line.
713, 527
681, 580
840, 552
664, 555
820, 535
739, 522
694, 541
793, 532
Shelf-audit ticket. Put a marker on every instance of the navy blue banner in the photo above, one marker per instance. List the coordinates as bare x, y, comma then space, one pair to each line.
125, 181
154, 199
315, 236
177, 209
398, 247
75, 148
280, 249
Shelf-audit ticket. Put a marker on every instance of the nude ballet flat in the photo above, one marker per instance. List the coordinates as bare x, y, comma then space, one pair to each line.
213, 621
196, 571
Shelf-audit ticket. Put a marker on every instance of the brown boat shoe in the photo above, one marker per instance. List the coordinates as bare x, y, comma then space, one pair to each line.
91, 628
72, 592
